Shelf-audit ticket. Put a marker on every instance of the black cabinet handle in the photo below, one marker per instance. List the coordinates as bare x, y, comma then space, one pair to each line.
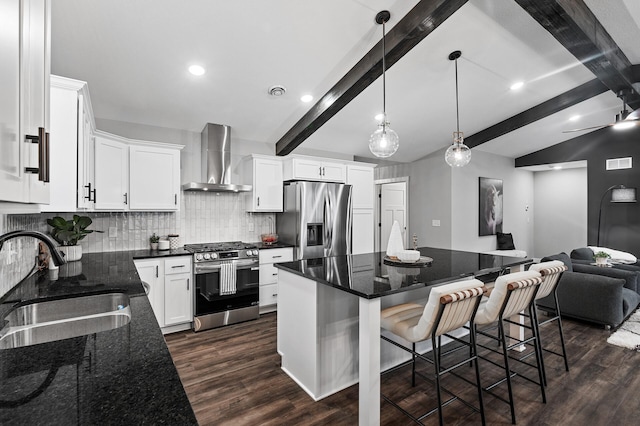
47, 158
89, 192
126, 200
175, 199
187, 283
42, 154
156, 271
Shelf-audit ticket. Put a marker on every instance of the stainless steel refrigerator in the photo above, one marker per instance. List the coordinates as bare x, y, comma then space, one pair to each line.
316, 219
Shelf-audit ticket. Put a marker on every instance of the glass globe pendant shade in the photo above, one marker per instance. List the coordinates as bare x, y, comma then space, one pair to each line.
384, 142
458, 154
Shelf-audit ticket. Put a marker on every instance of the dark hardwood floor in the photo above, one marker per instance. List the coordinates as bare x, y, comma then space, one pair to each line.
232, 376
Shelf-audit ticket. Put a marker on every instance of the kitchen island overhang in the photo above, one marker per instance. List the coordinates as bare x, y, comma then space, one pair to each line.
329, 315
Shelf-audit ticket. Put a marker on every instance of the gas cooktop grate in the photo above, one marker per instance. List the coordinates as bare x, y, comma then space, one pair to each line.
217, 247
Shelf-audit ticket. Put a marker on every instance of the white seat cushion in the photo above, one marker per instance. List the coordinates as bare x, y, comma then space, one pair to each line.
549, 281
490, 309
412, 321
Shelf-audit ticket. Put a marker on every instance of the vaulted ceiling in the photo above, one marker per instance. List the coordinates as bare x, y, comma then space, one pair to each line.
134, 54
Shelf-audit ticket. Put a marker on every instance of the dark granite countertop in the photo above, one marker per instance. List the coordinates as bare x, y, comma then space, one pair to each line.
122, 376
150, 254
368, 276
263, 246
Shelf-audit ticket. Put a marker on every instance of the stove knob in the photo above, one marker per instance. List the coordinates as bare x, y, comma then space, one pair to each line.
249, 253
255, 252
214, 255
198, 257
207, 256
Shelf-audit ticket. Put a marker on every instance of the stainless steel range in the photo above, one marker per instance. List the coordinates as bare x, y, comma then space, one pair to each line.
227, 283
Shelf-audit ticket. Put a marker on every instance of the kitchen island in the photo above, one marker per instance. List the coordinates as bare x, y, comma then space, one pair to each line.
120, 376
329, 315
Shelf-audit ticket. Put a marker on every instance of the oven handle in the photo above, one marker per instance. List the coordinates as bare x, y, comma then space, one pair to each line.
240, 264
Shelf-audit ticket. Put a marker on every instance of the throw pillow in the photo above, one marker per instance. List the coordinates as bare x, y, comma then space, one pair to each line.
583, 253
505, 241
562, 257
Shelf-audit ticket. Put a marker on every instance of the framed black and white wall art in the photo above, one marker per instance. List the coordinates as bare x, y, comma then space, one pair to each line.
490, 212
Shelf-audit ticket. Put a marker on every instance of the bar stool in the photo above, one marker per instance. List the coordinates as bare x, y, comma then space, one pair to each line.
448, 308
511, 294
551, 272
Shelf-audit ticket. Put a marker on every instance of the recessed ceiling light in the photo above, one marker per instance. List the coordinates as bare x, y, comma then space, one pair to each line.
306, 98
574, 118
196, 70
518, 85
379, 117
556, 167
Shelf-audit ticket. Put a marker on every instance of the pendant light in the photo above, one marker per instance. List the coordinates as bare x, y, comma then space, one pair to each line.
458, 154
384, 142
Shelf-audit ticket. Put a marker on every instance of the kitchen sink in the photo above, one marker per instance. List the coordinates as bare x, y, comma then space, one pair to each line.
51, 320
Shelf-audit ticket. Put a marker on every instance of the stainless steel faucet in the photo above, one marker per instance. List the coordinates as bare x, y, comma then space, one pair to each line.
58, 258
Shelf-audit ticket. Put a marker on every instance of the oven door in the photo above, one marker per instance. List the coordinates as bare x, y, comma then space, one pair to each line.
210, 279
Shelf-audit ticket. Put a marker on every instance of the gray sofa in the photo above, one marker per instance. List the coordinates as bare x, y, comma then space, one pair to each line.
605, 296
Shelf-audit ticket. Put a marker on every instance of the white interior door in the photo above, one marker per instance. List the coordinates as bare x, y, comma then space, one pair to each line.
393, 206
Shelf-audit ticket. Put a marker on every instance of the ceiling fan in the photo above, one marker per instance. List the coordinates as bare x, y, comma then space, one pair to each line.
624, 120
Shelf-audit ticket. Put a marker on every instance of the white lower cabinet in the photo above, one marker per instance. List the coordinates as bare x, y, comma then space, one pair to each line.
170, 290
269, 276
152, 275
178, 291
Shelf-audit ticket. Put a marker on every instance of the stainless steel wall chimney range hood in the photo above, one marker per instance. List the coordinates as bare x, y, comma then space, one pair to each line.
216, 162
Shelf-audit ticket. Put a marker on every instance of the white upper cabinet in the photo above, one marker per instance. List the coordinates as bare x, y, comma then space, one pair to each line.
24, 104
111, 174
135, 175
361, 178
154, 178
71, 132
264, 174
91, 169
302, 168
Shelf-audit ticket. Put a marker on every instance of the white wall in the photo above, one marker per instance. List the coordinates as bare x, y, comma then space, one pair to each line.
518, 202
430, 199
560, 219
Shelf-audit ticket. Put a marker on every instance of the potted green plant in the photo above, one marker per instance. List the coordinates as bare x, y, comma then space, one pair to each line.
153, 240
68, 232
601, 258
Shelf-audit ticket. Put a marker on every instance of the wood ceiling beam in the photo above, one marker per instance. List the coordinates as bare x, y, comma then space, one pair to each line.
425, 17
565, 100
573, 24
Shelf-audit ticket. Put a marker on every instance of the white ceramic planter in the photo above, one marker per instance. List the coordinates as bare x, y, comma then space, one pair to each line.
601, 261
154, 246
71, 253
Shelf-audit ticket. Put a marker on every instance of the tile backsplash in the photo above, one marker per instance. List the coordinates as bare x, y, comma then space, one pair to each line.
203, 217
